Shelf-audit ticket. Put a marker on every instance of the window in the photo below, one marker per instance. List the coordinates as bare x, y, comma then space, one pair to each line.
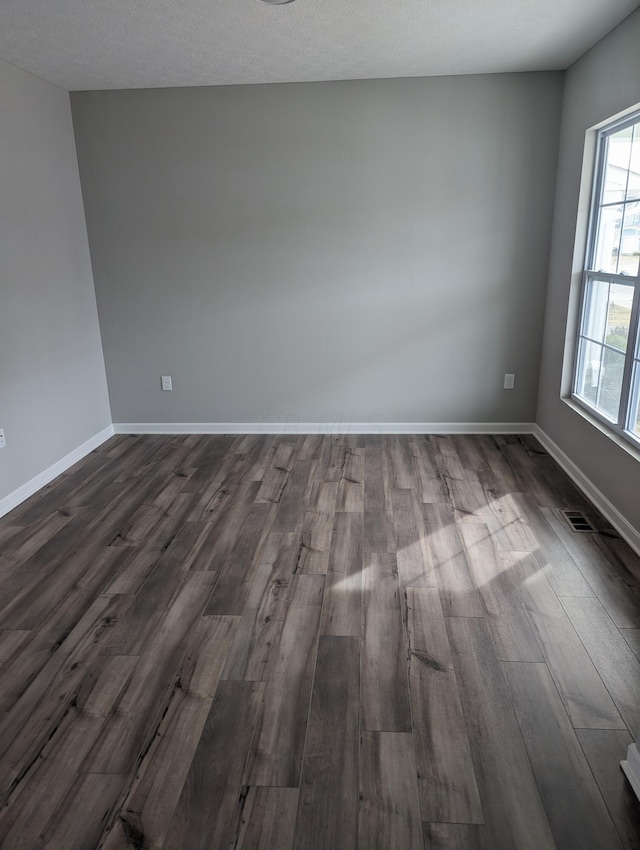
607, 363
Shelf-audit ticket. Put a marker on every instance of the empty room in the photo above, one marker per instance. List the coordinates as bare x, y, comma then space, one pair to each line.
320, 425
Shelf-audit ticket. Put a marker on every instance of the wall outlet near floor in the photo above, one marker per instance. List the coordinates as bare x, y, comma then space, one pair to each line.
3, 442
167, 384
509, 381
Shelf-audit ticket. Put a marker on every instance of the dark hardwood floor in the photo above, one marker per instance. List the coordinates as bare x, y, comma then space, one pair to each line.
337, 642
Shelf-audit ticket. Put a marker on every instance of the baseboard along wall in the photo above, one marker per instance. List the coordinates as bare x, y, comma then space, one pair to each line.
22, 493
294, 427
608, 510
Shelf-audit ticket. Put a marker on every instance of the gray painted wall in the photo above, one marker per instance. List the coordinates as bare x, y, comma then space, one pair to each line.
324, 252
53, 394
604, 82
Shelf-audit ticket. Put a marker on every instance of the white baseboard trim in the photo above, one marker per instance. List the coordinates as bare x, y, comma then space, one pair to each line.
631, 768
609, 511
22, 493
323, 427
606, 508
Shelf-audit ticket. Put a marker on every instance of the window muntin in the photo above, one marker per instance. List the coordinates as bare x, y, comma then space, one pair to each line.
607, 362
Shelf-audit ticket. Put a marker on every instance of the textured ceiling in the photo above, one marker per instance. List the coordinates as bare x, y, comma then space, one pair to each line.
104, 44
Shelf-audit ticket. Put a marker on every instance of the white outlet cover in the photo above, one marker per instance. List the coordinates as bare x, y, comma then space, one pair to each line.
3, 442
167, 384
509, 381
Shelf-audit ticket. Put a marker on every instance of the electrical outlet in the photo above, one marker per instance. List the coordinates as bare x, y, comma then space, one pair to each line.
167, 384
3, 442
509, 382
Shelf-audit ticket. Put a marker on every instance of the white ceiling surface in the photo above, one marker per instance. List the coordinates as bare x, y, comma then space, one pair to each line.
109, 44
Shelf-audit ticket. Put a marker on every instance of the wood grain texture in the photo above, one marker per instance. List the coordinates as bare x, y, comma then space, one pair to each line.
412, 554
351, 484
458, 592
294, 499
126, 732
48, 783
328, 808
341, 614
204, 814
500, 582
603, 641
317, 530
275, 478
632, 637
78, 824
581, 688
560, 569
604, 751
452, 836
618, 592
512, 807
302, 641
265, 819
572, 801
237, 569
377, 498
44, 685
280, 736
430, 484
151, 800
258, 628
447, 779
389, 812
509, 522
383, 681
401, 470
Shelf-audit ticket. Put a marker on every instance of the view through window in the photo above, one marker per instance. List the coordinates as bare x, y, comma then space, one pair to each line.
607, 373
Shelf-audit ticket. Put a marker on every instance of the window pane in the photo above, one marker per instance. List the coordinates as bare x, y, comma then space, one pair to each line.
590, 359
610, 383
630, 242
608, 239
619, 315
618, 156
633, 188
609, 321
596, 309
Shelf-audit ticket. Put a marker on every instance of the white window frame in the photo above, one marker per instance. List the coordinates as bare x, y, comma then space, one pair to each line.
623, 424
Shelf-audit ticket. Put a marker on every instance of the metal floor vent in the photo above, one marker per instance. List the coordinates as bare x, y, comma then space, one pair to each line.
578, 521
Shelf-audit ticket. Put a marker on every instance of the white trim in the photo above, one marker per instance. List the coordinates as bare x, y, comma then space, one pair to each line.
631, 768
606, 508
323, 427
617, 520
22, 493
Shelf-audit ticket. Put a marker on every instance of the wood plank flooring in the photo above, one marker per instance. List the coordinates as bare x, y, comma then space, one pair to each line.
315, 643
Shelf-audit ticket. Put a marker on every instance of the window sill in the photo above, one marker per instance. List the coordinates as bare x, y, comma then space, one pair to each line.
620, 441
